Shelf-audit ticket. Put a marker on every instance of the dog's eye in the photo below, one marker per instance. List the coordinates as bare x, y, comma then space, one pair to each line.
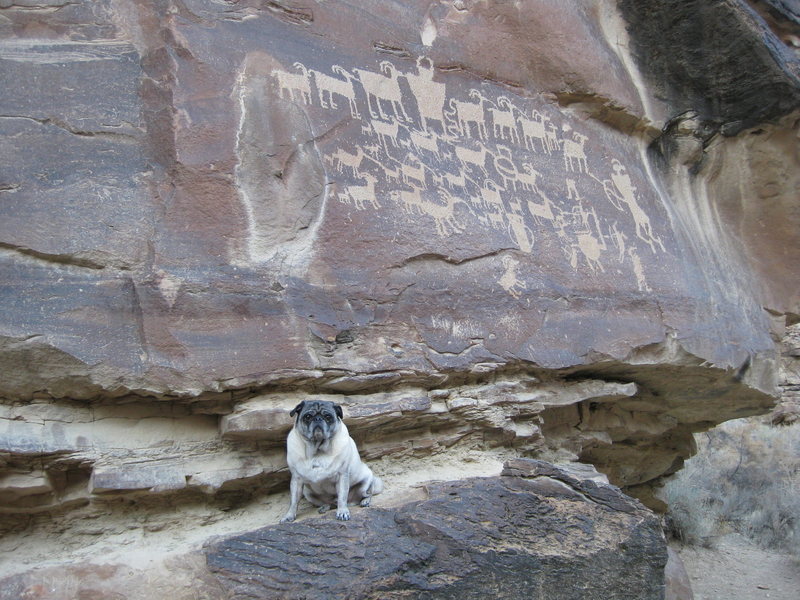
306, 417
328, 418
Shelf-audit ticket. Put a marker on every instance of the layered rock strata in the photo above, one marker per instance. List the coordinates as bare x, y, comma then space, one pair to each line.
529, 229
538, 531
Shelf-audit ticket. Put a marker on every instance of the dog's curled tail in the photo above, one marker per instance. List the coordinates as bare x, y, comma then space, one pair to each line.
377, 485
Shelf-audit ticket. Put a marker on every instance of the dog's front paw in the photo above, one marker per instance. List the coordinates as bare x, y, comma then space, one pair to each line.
365, 502
343, 514
323, 509
288, 517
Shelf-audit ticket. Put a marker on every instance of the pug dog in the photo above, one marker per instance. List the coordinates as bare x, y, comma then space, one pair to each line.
324, 462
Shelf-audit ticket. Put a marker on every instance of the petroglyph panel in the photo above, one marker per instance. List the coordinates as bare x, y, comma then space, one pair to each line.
471, 160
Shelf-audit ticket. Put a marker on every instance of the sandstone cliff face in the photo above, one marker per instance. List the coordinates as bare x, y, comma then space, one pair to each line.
486, 229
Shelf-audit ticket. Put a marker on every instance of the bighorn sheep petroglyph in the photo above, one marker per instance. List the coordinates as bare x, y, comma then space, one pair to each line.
335, 86
383, 88
465, 114
504, 123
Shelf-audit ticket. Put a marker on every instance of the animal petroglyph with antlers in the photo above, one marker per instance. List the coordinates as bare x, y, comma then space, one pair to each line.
334, 86
443, 214
342, 159
360, 195
291, 83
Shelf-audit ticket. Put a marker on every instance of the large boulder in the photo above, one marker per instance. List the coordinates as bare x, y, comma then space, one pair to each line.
538, 532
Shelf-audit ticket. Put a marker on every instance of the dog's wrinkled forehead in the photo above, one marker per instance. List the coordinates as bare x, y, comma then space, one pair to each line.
323, 408
319, 407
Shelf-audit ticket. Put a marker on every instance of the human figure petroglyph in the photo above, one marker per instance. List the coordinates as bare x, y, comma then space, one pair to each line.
576, 229
294, 82
572, 191
467, 114
580, 243
510, 280
590, 248
589, 244
335, 86
361, 194
504, 123
621, 191
574, 153
430, 95
383, 88
477, 158
618, 239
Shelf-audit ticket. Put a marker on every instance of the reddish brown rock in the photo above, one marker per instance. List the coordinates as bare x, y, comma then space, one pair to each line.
546, 537
225, 171
543, 228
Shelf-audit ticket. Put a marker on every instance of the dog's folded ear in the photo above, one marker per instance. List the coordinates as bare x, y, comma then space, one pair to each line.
338, 410
297, 409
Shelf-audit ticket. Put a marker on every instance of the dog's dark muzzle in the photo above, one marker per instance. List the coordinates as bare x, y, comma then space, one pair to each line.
319, 429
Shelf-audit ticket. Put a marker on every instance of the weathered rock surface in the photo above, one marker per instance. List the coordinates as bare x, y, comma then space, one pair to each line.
550, 536
225, 169
788, 410
536, 228
539, 531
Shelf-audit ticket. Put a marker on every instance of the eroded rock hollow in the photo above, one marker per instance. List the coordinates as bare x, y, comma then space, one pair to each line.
488, 230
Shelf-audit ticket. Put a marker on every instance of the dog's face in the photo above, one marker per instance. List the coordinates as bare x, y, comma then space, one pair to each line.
317, 420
